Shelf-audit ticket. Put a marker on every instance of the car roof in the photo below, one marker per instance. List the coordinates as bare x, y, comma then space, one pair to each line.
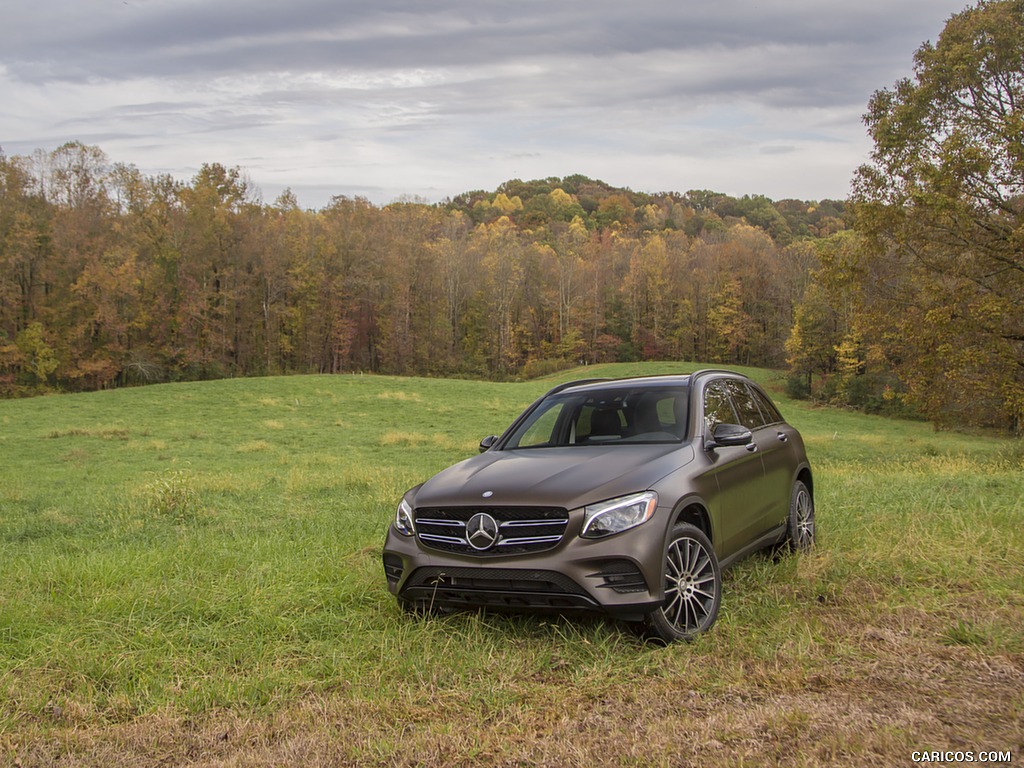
659, 381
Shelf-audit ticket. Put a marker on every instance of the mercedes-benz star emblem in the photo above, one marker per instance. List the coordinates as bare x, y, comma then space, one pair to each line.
482, 531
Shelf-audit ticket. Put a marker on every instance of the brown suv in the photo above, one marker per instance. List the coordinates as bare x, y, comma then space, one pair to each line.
623, 496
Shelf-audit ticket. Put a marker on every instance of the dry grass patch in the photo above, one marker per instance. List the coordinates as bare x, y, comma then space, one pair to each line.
401, 396
105, 433
395, 437
253, 446
895, 695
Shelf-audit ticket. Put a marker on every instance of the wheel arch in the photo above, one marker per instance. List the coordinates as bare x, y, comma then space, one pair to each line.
683, 579
804, 475
694, 512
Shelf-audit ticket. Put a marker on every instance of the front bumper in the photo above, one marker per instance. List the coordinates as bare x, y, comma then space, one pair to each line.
620, 575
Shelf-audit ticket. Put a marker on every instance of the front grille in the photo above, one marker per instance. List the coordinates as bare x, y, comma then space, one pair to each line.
496, 588
521, 530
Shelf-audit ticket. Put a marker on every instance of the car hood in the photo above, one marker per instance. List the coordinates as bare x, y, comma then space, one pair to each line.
567, 477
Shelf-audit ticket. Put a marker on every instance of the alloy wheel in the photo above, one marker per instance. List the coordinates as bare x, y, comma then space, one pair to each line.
690, 585
803, 534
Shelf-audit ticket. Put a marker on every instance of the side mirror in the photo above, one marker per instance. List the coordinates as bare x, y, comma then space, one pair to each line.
729, 434
487, 442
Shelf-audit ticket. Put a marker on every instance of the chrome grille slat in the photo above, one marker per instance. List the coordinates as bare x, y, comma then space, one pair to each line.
521, 530
522, 523
442, 539
525, 540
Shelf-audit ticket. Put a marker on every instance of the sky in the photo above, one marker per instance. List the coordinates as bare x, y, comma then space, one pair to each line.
426, 99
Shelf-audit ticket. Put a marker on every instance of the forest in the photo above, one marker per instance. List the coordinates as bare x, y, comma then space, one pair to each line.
112, 278
906, 298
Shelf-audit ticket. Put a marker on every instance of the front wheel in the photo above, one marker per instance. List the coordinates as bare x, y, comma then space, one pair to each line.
801, 518
693, 587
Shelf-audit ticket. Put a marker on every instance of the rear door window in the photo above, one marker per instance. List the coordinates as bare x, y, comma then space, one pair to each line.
771, 413
746, 406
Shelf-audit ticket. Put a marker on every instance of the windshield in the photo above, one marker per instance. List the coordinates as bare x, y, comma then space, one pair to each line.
605, 417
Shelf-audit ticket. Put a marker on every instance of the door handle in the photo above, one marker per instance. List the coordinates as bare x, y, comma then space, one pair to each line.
783, 437
751, 447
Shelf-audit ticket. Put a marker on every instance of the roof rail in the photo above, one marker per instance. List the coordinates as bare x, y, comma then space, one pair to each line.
577, 383
707, 371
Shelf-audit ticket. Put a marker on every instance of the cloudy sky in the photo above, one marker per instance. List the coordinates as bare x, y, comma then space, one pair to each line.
430, 98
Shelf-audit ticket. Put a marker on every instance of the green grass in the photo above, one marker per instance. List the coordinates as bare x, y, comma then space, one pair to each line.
182, 561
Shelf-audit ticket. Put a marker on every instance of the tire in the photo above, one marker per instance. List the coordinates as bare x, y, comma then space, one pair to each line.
800, 528
693, 588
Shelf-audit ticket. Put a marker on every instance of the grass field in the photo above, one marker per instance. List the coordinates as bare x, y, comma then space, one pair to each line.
190, 575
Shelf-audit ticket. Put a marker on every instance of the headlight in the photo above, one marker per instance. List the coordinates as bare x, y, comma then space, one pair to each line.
616, 515
403, 519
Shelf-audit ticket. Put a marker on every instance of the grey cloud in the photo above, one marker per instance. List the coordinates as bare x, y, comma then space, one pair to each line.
453, 84
225, 37
782, 55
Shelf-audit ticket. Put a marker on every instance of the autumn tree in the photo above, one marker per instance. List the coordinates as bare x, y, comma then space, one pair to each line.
453, 264
502, 258
811, 346
942, 207
568, 250
413, 303
209, 269
653, 290
823, 341
337, 315
25, 248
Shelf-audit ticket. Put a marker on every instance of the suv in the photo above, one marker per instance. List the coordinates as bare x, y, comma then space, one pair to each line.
624, 496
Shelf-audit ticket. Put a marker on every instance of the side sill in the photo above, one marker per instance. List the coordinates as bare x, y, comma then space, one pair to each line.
774, 536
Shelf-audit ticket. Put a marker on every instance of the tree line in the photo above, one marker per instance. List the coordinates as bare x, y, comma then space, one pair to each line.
109, 277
